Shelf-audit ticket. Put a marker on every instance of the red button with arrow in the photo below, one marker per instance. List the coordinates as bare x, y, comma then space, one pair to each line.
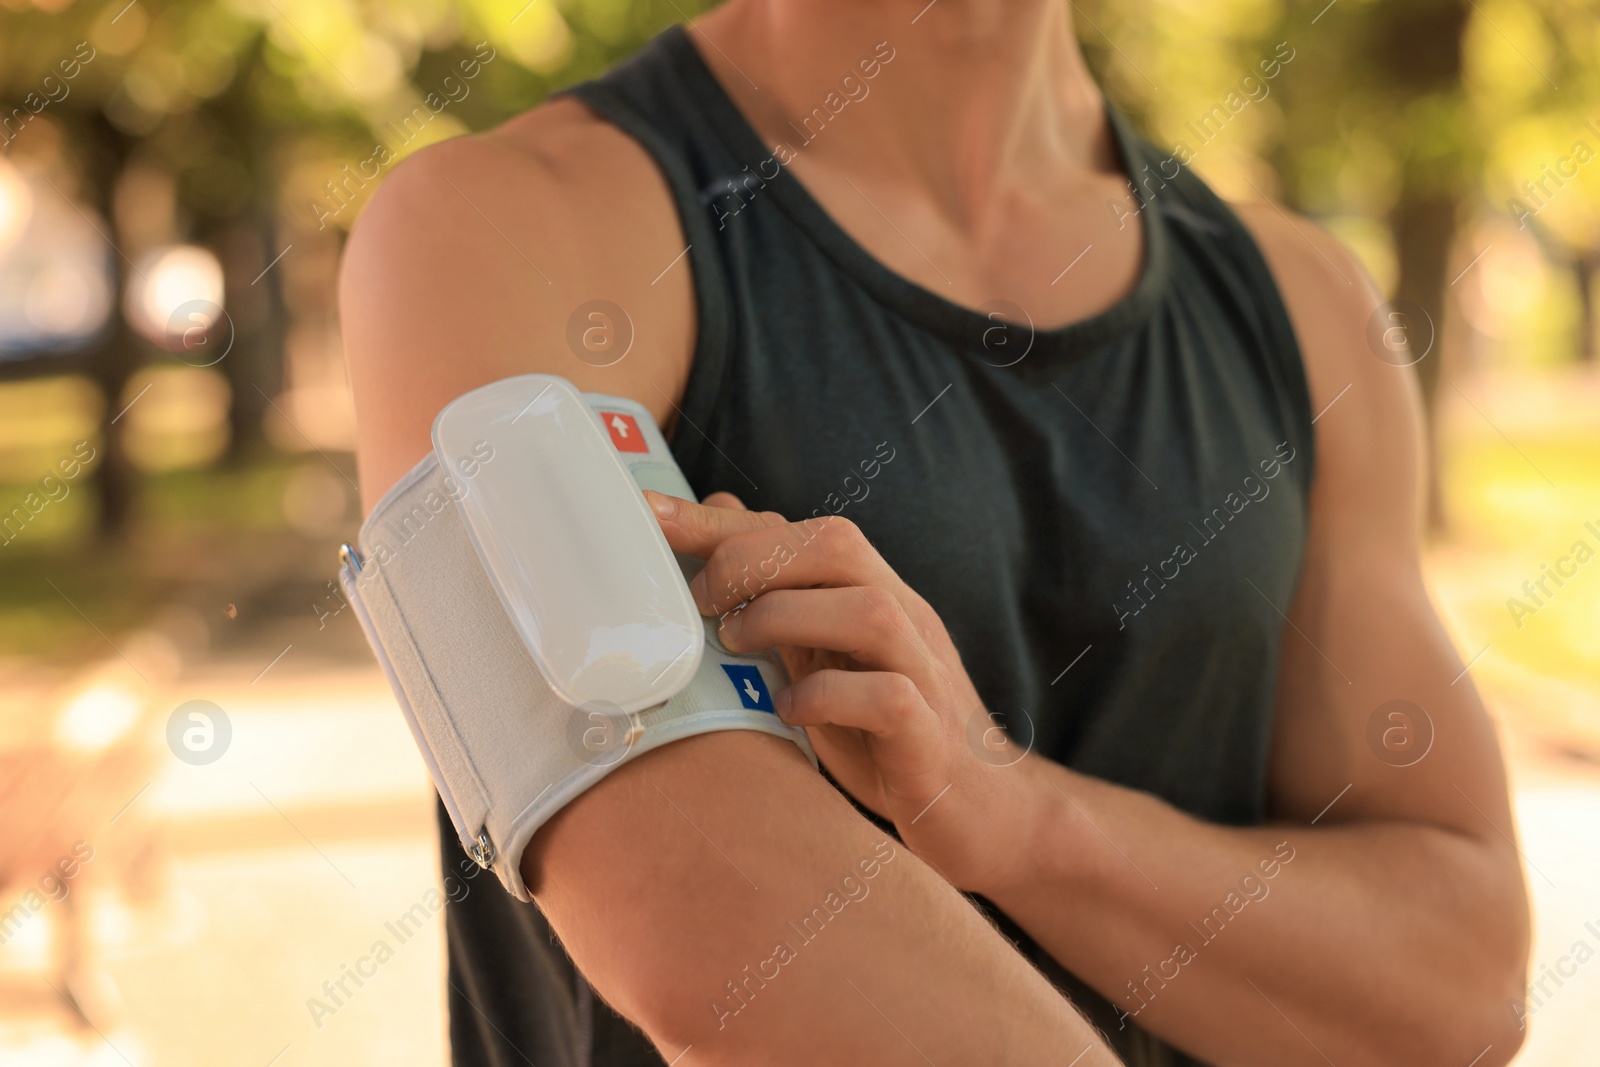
624, 432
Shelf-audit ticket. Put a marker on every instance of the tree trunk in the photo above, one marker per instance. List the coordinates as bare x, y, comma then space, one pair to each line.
1584, 269
117, 355
249, 243
254, 304
1419, 44
1424, 226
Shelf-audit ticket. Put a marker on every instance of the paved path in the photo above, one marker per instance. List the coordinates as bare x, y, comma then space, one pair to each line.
292, 860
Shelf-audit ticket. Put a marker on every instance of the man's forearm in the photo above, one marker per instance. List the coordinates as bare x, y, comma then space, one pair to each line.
721, 894
1270, 945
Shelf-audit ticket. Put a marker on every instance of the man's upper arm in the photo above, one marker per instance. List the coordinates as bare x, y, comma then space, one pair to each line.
474, 254
716, 890
1364, 632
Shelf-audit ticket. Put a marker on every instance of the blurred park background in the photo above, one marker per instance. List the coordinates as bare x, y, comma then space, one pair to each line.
176, 179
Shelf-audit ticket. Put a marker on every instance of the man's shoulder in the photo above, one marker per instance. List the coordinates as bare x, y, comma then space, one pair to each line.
556, 180
484, 256
1333, 302
493, 242
1306, 259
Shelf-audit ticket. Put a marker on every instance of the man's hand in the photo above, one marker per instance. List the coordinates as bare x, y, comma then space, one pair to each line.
878, 683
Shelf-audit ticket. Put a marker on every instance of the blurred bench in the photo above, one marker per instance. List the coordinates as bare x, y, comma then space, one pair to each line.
68, 768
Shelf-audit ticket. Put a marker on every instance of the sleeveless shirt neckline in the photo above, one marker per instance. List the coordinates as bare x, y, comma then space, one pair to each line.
913, 302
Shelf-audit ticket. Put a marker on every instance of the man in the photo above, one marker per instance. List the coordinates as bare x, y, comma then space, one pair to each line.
1120, 471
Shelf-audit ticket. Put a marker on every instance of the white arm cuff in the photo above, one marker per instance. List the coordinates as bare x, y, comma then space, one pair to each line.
505, 751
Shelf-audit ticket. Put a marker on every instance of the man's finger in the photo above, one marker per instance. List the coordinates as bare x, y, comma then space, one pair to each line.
698, 529
724, 499
867, 624
882, 703
825, 551
888, 707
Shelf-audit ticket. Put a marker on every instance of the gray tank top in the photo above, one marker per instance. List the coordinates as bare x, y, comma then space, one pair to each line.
1107, 516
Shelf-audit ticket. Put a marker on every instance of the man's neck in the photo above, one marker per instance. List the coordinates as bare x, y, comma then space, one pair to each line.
981, 95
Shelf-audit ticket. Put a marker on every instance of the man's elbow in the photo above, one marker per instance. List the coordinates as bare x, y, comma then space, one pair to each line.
1494, 1028
1498, 1006
1499, 994
1506, 1032
1482, 1004
1476, 1019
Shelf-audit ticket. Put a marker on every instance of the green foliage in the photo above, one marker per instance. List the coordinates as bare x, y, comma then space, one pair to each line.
1467, 98
1421, 132
1464, 99
227, 94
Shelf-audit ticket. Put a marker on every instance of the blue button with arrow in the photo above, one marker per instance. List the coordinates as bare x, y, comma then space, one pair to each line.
750, 686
